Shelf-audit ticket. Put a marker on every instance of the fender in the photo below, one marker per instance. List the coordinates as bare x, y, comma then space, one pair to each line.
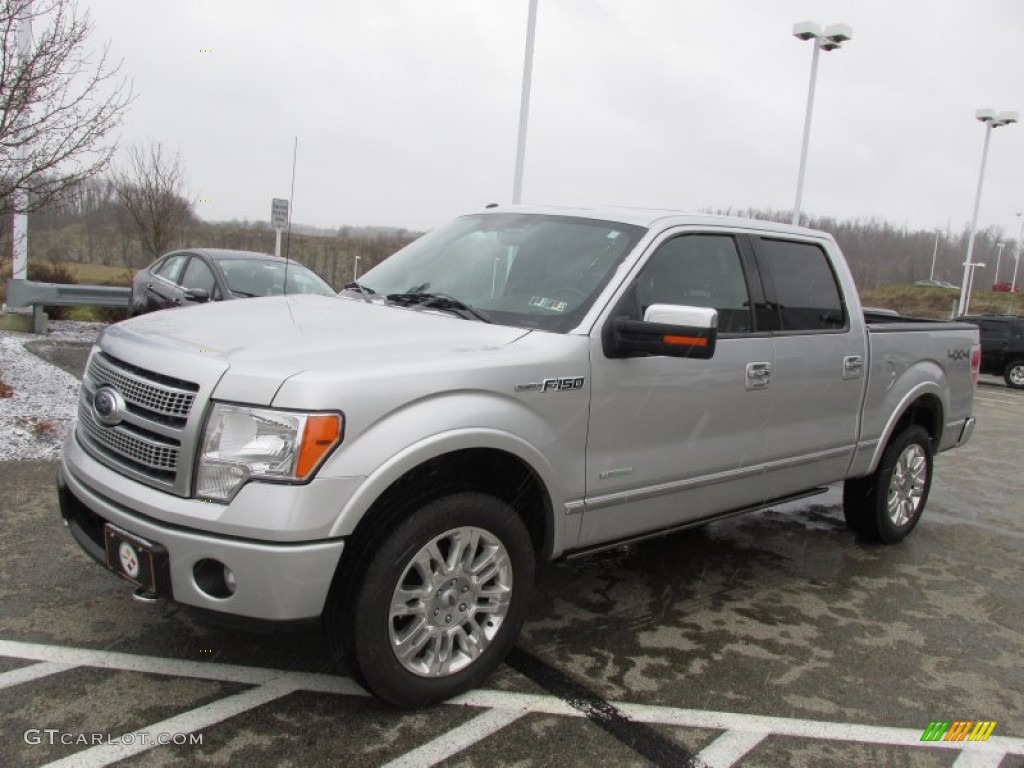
512, 427
916, 392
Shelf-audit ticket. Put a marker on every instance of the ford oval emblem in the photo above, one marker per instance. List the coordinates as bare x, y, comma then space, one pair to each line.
107, 406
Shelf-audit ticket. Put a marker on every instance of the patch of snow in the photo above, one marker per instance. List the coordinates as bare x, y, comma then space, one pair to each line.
36, 417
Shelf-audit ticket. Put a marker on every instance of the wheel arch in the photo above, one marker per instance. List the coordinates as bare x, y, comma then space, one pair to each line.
922, 406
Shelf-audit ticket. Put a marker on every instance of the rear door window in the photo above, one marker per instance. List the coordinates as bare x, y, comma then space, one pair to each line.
804, 288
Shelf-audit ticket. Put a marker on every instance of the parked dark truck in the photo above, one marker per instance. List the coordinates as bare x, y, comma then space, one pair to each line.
523, 384
1002, 346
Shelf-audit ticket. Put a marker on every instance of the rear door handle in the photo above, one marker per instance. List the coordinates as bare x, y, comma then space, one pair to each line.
759, 375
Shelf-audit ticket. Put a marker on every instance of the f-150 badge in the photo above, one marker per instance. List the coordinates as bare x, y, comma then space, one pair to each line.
561, 384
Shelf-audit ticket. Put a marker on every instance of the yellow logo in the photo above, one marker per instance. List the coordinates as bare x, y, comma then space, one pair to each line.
959, 730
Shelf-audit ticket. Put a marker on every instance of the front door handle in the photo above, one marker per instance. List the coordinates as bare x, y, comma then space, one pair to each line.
852, 366
759, 375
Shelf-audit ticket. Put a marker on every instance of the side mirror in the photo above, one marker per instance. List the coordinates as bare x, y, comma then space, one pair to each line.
198, 295
667, 329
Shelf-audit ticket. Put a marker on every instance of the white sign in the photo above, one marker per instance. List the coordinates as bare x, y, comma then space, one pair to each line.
279, 213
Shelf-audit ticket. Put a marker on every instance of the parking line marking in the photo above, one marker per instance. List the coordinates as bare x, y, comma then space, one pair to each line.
730, 747
457, 739
187, 722
32, 672
270, 680
972, 759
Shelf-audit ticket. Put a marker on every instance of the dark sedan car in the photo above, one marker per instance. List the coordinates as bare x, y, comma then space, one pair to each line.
198, 275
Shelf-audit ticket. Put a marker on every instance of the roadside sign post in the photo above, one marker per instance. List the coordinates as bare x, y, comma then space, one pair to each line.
279, 220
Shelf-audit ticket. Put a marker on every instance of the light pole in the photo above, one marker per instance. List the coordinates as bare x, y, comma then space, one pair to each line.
970, 283
935, 253
524, 104
999, 258
991, 120
355, 269
831, 38
1016, 259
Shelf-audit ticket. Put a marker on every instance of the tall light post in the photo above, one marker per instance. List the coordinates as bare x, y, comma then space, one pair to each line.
935, 253
524, 104
1016, 259
991, 120
832, 37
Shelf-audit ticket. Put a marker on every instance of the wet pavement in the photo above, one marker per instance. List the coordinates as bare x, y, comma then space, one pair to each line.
775, 639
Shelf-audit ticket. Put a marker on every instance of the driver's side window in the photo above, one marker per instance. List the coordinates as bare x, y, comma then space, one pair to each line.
699, 271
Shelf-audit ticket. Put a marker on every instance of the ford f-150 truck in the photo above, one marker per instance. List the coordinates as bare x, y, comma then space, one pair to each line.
523, 384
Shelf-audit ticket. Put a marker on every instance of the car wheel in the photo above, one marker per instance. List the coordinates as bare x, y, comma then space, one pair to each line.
1014, 374
885, 506
437, 601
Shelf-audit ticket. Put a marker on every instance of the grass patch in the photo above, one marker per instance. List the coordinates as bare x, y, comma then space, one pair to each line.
939, 303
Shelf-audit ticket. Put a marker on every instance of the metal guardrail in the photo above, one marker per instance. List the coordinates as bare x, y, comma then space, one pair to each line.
26, 293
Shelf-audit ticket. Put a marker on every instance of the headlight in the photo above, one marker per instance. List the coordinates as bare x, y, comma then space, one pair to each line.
242, 443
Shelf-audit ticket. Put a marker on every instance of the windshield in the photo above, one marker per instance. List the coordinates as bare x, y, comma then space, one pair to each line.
256, 277
530, 270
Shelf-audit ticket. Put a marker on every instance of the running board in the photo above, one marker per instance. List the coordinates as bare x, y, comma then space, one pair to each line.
588, 551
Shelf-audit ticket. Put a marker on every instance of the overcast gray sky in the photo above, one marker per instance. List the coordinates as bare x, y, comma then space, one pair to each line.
406, 110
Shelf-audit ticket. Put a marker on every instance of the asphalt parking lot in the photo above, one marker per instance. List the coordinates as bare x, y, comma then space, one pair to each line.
771, 640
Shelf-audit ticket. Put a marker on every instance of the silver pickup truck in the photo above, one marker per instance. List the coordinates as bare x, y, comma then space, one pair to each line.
523, 384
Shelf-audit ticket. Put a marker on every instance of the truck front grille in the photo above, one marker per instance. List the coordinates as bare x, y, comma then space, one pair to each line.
168, 397
147, 441
147, 453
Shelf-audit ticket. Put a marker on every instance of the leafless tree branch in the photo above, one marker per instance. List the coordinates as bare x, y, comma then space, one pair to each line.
151, 187
59, 108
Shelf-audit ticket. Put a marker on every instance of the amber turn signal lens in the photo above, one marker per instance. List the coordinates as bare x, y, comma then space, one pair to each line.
321, 434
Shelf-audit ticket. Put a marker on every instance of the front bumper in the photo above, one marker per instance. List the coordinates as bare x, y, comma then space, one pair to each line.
276, 581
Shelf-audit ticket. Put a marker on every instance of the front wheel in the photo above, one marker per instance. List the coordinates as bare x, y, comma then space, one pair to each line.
886, 505
1014, 374
439, 602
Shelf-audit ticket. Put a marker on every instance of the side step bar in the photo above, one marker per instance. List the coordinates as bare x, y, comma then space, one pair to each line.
587, 551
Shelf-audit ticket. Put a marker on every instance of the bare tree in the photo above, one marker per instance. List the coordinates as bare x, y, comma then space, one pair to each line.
151, 187
59, 105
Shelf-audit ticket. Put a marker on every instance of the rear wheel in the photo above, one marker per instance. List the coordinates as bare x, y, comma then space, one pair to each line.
439, 602
886, 505
1014, 374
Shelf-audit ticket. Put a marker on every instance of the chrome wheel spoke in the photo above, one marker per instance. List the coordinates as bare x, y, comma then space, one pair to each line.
450, 602
907, 485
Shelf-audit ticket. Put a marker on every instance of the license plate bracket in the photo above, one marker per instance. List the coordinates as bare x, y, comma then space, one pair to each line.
131, 557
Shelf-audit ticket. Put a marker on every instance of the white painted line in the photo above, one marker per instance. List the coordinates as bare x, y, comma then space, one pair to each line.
454, 741
971, 759
188, 722
32, 672
130, 662
510, 702
724, 751
808, 729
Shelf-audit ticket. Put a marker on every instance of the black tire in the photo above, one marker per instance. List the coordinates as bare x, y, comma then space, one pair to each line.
359, 619
906, 471
1014, 374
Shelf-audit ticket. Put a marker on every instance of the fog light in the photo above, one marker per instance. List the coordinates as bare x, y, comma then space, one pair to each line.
214, 578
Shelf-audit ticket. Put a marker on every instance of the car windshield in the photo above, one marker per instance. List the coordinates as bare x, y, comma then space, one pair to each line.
529, 270
257, 277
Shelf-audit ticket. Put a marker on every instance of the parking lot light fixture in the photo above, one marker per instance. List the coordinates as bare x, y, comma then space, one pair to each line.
832, 37
991, 119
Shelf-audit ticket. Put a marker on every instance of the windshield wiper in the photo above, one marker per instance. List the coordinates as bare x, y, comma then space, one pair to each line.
364, 291
440, 301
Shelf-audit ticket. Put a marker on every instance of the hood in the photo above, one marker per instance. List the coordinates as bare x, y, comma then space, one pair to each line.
264, 341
